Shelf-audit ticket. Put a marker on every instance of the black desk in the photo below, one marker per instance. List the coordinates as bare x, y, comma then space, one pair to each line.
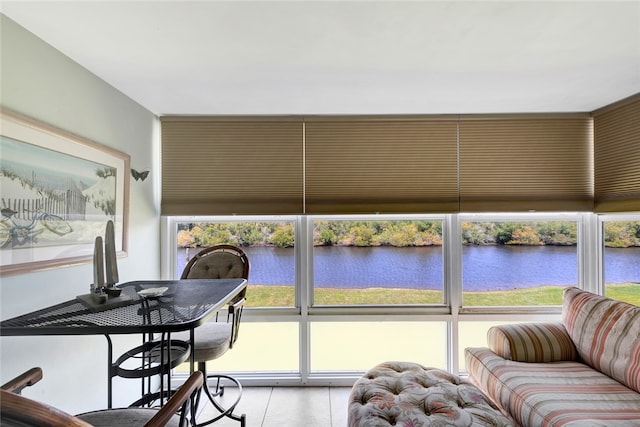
185, 305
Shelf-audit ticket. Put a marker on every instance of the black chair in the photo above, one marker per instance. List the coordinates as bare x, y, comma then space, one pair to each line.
213, 339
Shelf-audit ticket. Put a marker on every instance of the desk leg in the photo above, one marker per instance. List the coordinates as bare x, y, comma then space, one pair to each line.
192, 362
163, 345
169, 389
109, 371
192, 356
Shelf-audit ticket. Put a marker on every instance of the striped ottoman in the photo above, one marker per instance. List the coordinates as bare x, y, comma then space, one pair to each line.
410, 395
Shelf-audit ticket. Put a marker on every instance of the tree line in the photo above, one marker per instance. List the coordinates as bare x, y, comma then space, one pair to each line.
399, 233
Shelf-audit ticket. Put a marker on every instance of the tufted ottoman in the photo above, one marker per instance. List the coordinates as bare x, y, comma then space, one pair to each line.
410, 395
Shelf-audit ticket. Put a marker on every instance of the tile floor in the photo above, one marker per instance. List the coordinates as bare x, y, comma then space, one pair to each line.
286, 407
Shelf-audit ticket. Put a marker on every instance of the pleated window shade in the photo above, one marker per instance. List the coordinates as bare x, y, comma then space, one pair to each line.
617, 158
358, 166
226, 166
511, 164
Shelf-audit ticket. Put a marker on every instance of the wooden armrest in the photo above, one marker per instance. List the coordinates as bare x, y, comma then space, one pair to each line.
19, 410
26, 379
177, 401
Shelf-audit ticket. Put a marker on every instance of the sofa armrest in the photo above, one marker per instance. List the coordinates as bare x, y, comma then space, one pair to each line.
532, 342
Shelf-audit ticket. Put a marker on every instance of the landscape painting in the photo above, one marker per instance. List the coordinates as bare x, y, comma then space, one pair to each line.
57, 192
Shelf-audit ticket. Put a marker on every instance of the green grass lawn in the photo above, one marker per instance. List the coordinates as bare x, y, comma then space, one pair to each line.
629, 292
283, 296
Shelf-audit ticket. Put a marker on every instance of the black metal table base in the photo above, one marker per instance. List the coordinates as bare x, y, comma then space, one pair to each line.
147, 360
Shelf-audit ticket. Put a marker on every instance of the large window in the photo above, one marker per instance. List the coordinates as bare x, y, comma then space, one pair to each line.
377, 262
518, 262
331, 296
622, 260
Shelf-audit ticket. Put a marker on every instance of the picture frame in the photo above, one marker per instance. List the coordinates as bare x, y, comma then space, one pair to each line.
57, 193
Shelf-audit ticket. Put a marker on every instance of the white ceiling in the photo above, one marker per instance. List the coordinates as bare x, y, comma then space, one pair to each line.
349, 57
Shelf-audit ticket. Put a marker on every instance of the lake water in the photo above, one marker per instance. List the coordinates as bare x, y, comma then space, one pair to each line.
484, 268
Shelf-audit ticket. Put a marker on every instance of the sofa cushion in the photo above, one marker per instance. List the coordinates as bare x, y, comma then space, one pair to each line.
556, 394
606, 334
532, 342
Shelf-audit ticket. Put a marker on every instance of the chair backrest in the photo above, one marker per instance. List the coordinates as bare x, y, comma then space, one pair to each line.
21, 411
218, 262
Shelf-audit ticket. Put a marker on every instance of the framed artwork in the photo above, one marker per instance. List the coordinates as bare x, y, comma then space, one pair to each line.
57, 193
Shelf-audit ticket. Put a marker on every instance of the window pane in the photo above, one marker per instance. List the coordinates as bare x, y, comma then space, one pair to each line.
359, 346
269, 246
518, 263
277, 344
377, 262
622, 260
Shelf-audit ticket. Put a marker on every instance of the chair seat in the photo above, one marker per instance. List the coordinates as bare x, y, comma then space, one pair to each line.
211, 340
124, 417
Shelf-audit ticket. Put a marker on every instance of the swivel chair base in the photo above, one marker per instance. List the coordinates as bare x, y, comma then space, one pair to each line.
219, 392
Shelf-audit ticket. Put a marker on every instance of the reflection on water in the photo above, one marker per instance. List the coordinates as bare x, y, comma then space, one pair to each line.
483, 267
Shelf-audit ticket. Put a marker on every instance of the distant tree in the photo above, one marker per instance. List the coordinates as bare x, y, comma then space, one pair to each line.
429, 239
361, 235
474, 233
504, 232
196, 233
525, 236
248, 234
405, 235
401, 239
217, 234
620, 234
557, 232
327, 237
185, 239
284, 236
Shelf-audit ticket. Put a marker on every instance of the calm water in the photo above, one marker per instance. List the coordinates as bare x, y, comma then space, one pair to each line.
484, 268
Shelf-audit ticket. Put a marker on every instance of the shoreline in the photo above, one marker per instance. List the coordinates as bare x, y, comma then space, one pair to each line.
284, 296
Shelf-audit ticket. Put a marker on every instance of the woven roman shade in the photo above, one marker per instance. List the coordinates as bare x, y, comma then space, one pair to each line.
225, 166
526, 163
377, 165
617, 157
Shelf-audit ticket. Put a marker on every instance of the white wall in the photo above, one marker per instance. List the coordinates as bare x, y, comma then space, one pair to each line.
40, 82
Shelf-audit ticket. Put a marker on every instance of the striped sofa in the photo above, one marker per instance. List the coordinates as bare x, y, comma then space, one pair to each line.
583, 371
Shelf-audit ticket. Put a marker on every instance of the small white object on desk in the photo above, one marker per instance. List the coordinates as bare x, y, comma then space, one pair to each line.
152, 292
